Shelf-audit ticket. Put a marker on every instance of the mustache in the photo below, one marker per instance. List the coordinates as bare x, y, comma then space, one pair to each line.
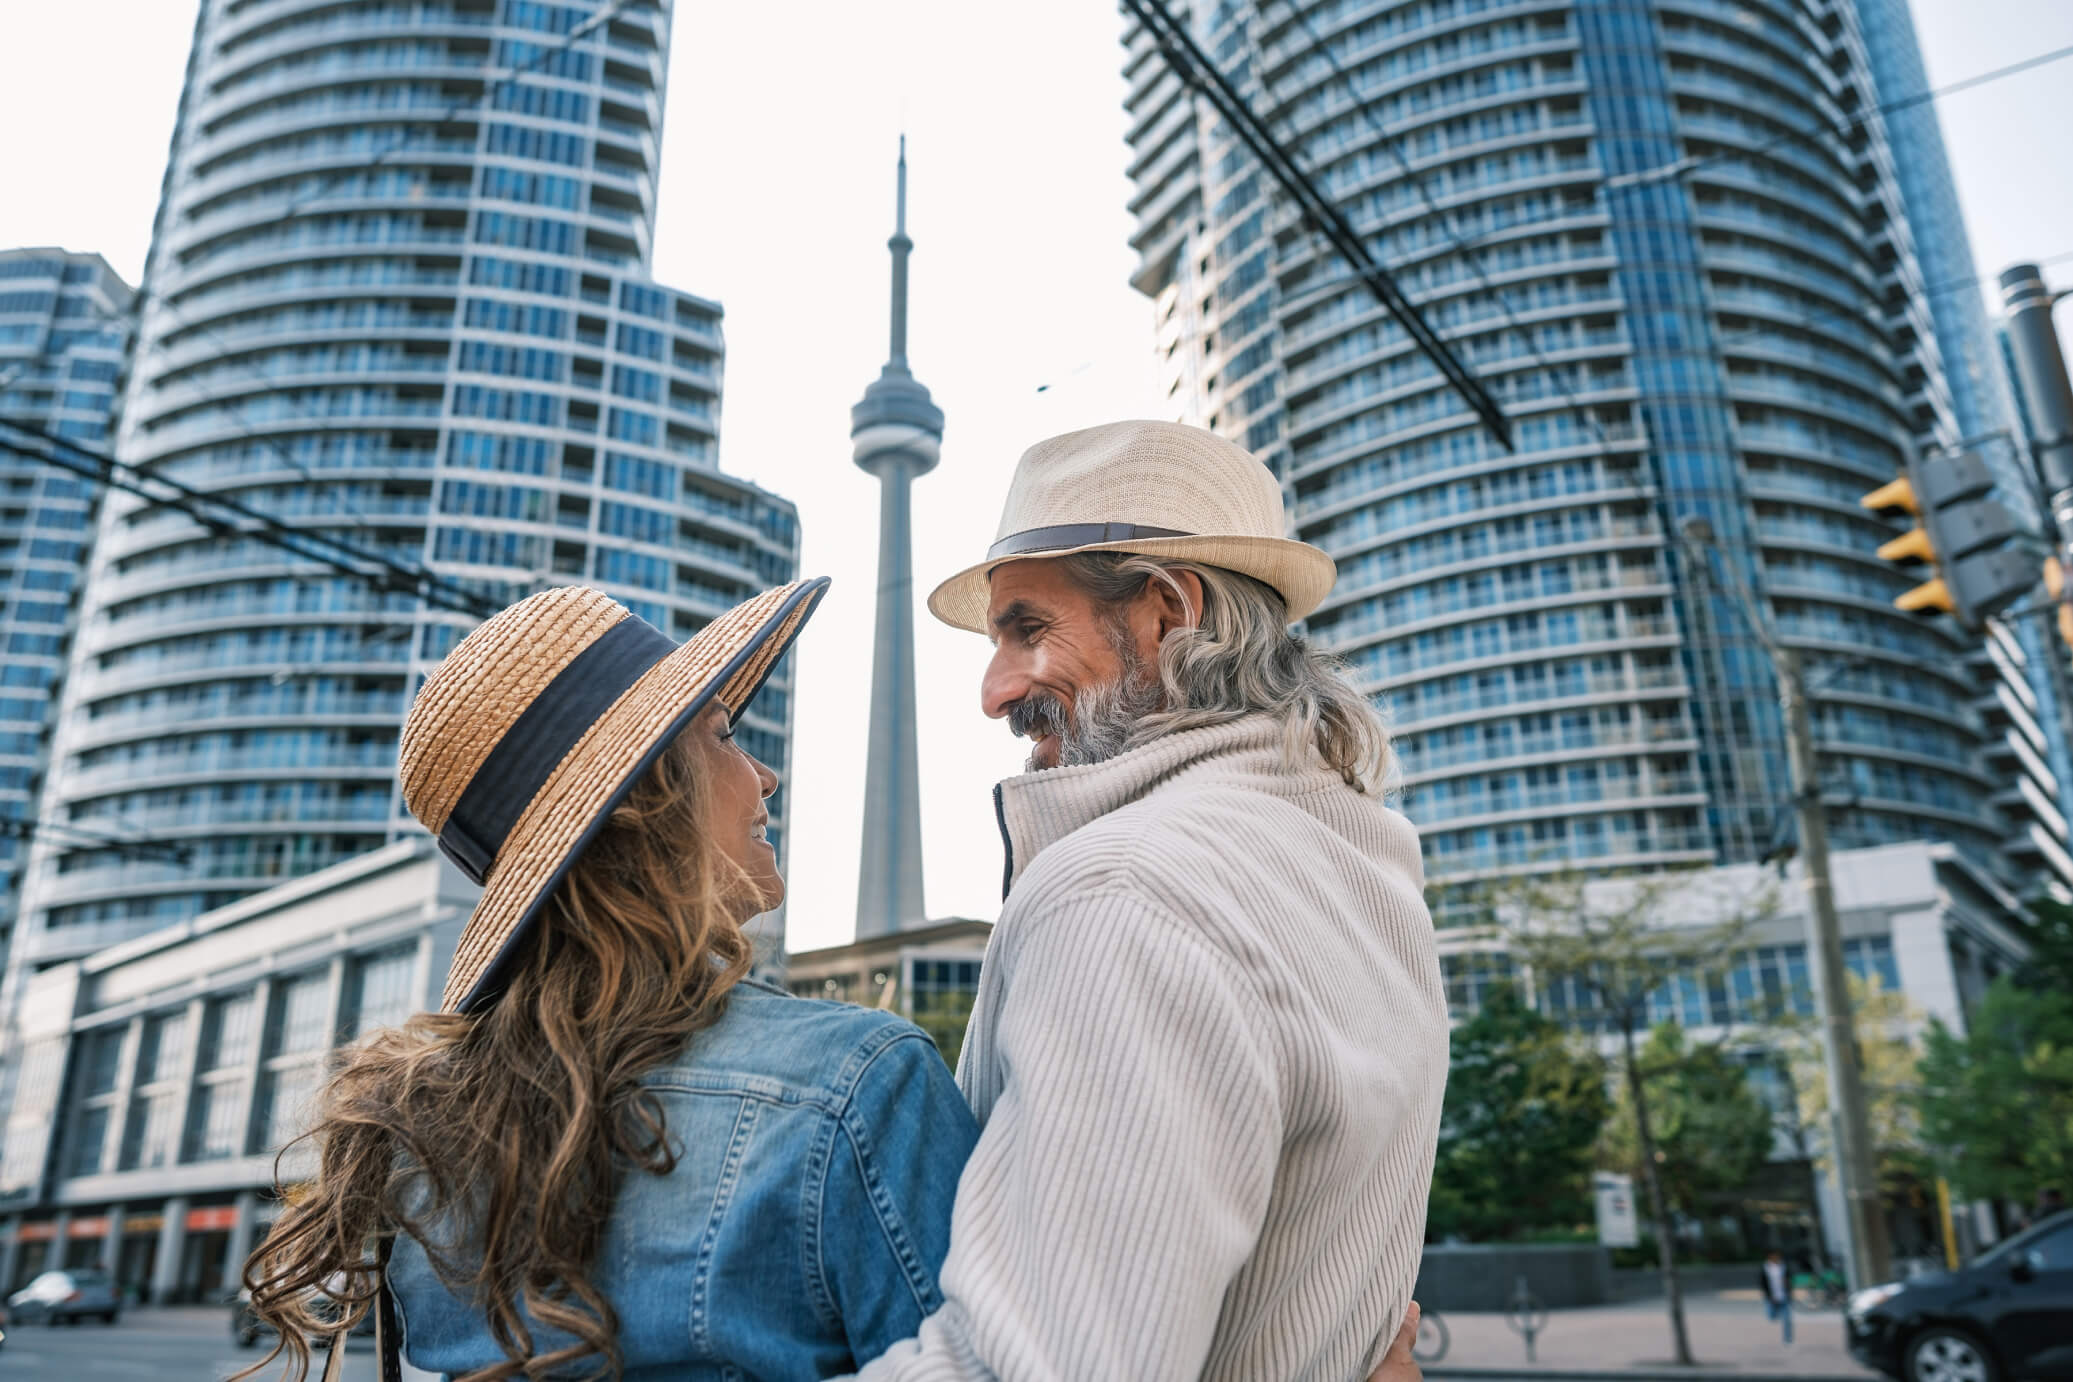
1035, 716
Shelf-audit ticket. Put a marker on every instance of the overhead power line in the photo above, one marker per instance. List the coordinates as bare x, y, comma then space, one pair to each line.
230, 518
1555, 374
1192, 66
72, 837
1677, 169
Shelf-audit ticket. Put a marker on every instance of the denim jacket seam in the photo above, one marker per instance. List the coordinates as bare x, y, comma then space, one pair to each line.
832, 1098
820, 1159
723, 1195
920, 1282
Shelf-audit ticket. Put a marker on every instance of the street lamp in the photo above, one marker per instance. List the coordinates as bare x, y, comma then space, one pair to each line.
1869, 1253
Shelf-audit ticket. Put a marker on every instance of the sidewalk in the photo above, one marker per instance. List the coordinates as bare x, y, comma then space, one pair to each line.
1729, 1336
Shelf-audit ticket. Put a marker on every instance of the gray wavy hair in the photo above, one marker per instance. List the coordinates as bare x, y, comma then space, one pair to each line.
1238, 659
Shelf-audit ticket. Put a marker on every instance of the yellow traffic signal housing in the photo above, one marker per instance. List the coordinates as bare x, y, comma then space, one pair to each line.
1894, 494
1910, 546
1962, 533
1930, 595
2055, 586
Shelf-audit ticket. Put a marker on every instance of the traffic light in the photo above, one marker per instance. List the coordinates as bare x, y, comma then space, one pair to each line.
2055, 586
1965, 535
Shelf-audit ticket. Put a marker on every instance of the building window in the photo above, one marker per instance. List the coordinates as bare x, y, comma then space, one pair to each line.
382, 992
227, 1032
164, 1046
89, 1135
147, 1139
298, 1015
284, 1107
216, 1123
94, 1101
296, 1043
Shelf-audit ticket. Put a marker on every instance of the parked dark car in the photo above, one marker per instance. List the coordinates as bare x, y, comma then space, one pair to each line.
2007, 1316
66, 1297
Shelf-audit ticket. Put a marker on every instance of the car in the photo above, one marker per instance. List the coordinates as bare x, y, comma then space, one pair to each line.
2006, 1316
246, 1328
67, 1297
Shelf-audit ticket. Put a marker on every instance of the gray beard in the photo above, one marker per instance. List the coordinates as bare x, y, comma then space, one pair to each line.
1103, 717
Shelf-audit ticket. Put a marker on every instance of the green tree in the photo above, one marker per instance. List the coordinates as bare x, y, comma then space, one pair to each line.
1610, 947
945, 1016
2050, 965
1711, 1130
1997, 1103
1882, 1021
1523, 1111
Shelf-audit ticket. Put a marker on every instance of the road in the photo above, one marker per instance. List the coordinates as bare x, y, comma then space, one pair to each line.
178, 1345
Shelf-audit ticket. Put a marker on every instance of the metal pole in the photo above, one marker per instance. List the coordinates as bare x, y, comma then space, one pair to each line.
1870, 1256
2041, 368
1857, 1172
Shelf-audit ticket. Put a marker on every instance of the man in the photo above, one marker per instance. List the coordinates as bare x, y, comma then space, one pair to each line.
1775, 1279
1210, 1040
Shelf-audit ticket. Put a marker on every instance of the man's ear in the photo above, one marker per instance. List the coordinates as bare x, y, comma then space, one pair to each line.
1182, 610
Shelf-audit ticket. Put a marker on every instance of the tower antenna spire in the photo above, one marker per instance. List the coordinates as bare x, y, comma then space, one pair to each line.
900, 245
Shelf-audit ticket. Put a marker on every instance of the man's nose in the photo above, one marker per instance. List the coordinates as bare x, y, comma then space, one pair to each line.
1006, 682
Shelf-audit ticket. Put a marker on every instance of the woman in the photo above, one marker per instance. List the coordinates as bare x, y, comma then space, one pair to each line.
611, 1153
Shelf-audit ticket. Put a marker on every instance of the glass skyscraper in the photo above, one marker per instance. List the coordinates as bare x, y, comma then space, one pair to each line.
2029, 752
398, 292
62, 320
1688, 306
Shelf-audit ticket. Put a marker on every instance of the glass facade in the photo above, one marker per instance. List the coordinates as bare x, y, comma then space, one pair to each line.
62, 319
397, 294
1686, 308
1987, 413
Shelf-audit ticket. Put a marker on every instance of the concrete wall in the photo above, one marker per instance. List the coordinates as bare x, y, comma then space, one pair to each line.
1481, 1277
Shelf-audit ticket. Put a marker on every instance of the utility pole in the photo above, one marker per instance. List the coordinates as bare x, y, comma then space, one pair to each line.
2041, 368
1869, 1253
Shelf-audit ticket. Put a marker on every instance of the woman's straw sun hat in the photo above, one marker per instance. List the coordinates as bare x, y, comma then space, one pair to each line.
1157, 488
541, 721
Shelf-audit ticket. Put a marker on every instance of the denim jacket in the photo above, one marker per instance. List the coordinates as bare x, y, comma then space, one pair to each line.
819, 1146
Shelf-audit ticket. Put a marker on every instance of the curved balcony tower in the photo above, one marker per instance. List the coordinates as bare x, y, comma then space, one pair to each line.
398, 291
1684, 308
897, 434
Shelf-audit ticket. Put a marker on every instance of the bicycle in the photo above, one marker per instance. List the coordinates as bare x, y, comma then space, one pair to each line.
1826, 1290
1431, 1344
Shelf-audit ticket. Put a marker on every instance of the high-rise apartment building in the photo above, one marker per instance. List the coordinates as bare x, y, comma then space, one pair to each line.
1687, 305
2024, 707
62, 320
398, 292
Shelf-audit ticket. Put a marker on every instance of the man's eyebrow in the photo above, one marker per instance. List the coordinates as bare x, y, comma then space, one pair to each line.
1015, 614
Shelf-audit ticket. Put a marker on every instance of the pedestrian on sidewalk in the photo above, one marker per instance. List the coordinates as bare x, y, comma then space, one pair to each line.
1776, 1280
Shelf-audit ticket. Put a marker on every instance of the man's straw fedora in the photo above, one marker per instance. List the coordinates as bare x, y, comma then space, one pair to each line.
1157, 488
541, 721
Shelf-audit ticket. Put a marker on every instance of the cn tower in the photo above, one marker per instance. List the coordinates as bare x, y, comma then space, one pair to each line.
897, 434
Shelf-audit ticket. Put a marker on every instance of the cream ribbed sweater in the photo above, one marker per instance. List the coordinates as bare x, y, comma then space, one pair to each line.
1207, 1058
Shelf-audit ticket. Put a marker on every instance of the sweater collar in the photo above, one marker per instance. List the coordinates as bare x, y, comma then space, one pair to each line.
1038, 809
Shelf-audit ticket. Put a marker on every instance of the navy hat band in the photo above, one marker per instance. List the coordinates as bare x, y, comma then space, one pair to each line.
537, 742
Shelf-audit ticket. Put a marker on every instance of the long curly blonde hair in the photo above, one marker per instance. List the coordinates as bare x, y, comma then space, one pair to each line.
517, 1123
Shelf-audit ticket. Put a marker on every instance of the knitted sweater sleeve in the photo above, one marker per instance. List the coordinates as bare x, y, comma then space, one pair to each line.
1122, 1177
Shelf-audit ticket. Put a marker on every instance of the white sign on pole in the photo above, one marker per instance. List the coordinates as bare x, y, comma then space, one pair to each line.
1618, 1224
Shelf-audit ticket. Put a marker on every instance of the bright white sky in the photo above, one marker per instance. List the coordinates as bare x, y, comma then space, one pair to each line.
777, 198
